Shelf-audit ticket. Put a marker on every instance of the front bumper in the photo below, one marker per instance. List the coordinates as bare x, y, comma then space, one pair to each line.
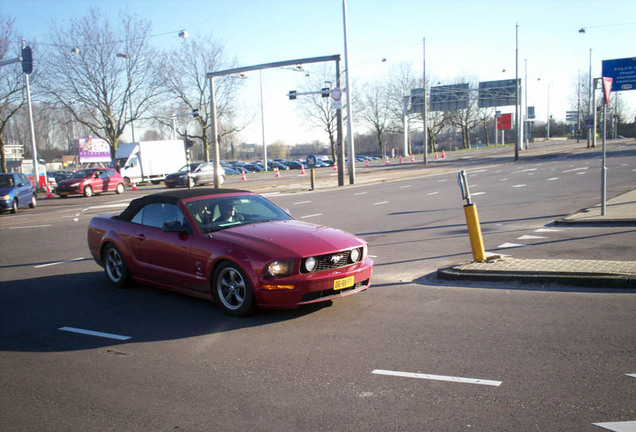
314, 287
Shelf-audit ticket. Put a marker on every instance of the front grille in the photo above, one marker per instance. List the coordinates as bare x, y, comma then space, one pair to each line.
331, 261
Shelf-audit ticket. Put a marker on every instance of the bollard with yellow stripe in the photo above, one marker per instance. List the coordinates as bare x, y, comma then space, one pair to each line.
472, 221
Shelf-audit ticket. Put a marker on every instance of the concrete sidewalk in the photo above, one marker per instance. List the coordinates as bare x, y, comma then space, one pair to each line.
620, 211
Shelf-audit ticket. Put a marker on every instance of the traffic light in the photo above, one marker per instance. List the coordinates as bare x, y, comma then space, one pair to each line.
325, 92
292, 94
27, 60
195, 112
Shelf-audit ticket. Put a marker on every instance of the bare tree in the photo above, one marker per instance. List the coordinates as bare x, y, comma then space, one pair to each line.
95, 69
317, 109
375, 112
12, 83
185, 82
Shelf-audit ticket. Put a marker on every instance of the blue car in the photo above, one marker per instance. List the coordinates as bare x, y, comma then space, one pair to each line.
16, 191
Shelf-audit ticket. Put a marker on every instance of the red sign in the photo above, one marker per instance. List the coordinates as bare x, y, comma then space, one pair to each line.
607, 89
504, 121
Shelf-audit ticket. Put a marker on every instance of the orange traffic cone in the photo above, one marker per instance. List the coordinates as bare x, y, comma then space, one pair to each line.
133, 187
48, 191
243, 175
276, 171
436, 156
400, 158
387, 161
443, 154
302, 169
412, 158
367, 164
335, 166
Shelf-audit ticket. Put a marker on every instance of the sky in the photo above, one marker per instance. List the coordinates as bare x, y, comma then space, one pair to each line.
473, 39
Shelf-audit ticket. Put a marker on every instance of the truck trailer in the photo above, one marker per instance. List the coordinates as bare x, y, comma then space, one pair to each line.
149, 161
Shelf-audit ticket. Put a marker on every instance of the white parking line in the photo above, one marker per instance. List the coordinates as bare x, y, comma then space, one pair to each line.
529, 237
553, 178
59, 262
432, 193
626, 426
381, 202
438, 377
94, 333
519, 185
510, 245
477, 193
360, 193
302, 202
406, 186
28, 227
575, 169
311, 215
547, 230
631, 375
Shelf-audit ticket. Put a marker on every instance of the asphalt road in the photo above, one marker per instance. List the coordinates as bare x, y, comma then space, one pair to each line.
411, 353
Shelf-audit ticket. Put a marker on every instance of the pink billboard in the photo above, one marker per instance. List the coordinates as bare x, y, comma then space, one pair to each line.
93, 150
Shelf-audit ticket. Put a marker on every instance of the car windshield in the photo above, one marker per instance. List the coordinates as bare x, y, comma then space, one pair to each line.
6, 180
216, 213
82, 174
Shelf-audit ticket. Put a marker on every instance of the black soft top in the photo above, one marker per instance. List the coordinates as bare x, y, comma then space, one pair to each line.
172, 197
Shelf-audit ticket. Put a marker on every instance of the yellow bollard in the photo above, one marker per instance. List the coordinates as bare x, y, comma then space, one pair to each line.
474, 232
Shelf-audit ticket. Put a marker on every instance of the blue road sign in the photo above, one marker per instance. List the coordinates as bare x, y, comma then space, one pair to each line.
623, 73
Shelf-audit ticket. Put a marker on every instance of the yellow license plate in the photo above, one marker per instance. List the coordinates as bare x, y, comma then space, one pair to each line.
347, 282
63, 193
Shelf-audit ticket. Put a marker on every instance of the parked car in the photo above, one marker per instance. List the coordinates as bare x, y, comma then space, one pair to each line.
200, 173
16, 190
91, 181
294, 165
231, 246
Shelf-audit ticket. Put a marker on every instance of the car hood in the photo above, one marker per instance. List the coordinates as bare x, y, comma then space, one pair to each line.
289, 238
70, 181
6, 190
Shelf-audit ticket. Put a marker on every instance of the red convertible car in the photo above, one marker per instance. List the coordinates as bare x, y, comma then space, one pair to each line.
232, 246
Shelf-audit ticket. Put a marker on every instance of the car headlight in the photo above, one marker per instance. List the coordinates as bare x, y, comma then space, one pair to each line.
355, 255
310, 264
6, 198
280, 268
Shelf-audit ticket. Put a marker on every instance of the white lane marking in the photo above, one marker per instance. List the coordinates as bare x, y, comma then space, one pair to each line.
406, 186
442, 180
553, 178
529, 237
302, 202
59, 262
503, 179
575, 169
31, 226
437, 377
94, 333
580, 173
381, 202
626, 426
519, 185
524, 170
510, 245
631, 375
432, 193
360, 193
477, 193
311, 215
547, 230
477, 171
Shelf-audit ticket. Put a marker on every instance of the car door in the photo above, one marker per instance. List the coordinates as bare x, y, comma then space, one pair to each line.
163, 256
23, 189
205, 173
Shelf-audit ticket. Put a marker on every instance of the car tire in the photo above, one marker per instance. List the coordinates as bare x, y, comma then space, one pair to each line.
88, 191
120, 188
34, 201
115, 266
14, 206
232, 290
